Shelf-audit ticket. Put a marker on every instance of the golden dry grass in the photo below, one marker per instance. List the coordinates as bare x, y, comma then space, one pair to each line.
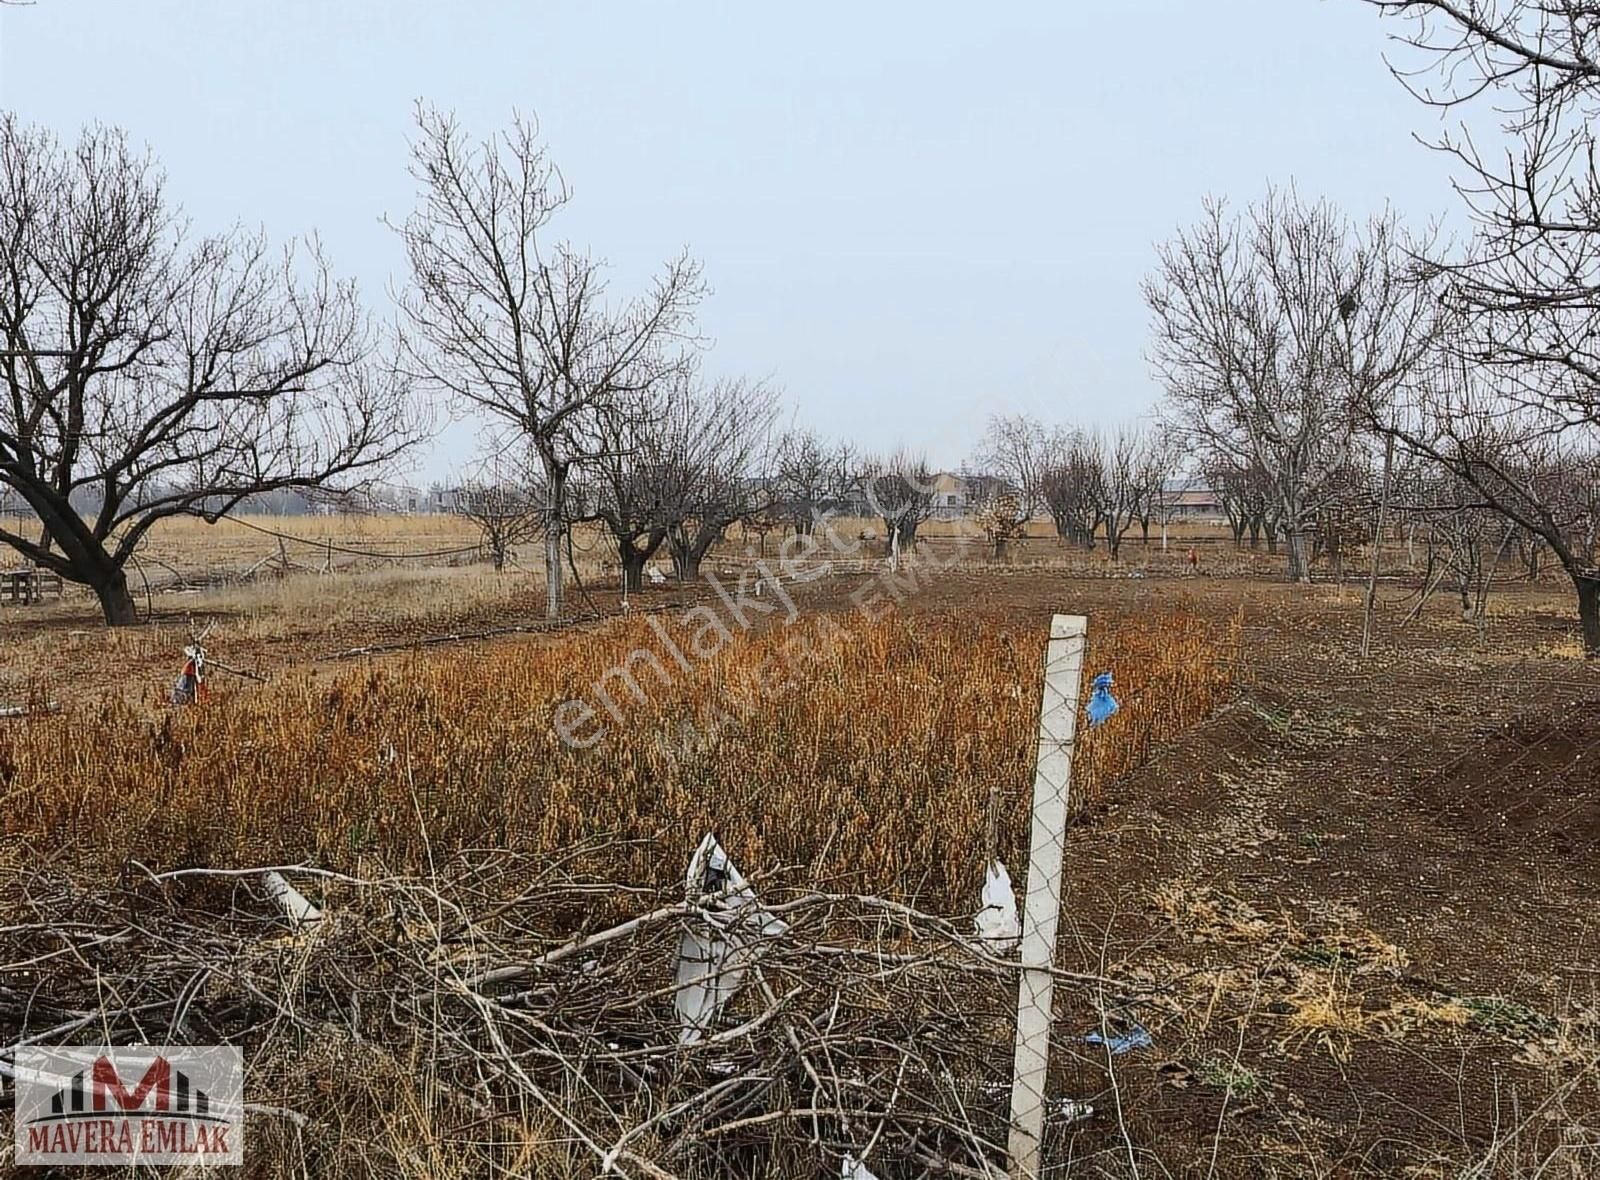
1568, 648
341, 527
193, 548
190, 545
1325, 1011
64, 652
874, 770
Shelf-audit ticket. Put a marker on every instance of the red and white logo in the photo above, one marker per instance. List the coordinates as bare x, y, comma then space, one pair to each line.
118, 1105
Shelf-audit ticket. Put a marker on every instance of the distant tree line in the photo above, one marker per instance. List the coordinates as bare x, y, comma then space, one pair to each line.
1326, 378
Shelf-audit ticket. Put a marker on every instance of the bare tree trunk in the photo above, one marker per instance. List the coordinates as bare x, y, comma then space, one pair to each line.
1481, 608
1299, 568
1588, 588
116, 600
1377, 550
552, 570
554, 528
686, 559
1430, 583
85, 559
689, 551
703, 541
633, 560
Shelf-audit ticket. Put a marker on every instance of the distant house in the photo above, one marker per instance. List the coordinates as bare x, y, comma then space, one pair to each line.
399, 499
950, 495
960, 494
1191, 499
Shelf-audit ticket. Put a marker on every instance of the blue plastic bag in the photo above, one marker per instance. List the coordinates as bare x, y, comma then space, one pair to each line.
1135, 1038
1101, 703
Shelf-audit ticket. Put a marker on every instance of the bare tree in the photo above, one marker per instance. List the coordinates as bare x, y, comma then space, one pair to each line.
1160, 453
809, 476
1108, 483
635, 475
1273, 327
1134, 467
1472, 538
1020, 449
1521, 456
148, 374
506, 322
998, 512
1073, 487
725, 446
677, 473
1535, 199
1456, 529
1346, 502
501, 499
1118, 484
899, 491
1517, 417
1244, 493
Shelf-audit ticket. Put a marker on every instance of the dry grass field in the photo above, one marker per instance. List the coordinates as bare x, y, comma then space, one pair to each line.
1352, 902
878, 753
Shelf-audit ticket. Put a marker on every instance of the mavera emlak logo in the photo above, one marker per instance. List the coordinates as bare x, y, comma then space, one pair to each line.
118, 1105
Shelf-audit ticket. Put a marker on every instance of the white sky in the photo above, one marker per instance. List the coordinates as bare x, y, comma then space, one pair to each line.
912, 214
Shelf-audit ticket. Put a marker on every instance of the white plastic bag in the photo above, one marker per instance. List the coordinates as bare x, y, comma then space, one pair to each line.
996, 924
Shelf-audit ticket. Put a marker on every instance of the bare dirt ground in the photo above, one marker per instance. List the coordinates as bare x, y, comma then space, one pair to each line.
1367, 889
1370, 886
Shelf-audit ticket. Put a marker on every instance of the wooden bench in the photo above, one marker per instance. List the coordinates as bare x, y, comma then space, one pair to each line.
28, 586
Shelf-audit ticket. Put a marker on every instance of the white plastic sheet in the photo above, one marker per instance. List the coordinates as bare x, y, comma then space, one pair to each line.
997, 925
713, 953
295, 905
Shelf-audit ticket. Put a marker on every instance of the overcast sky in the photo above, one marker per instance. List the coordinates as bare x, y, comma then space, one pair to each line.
911, 214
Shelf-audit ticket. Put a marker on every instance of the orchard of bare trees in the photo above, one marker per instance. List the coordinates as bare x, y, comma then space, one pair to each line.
1325, 378
1095, 486
1327, 374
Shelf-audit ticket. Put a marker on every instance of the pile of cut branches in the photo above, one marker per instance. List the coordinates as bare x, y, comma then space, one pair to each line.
506, 1015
